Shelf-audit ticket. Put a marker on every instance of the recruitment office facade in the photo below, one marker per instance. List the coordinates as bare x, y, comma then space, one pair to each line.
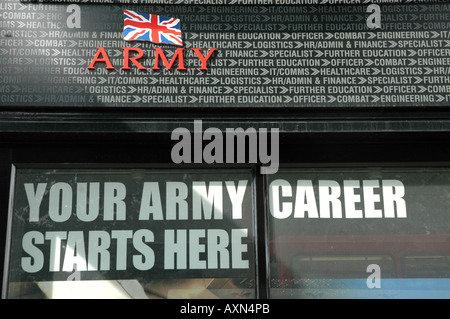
93, 200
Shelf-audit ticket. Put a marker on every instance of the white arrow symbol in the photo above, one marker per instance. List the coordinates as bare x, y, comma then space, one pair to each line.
137, 99
325, 62
434, 34
298, 45
232, 62
153, 80
193, 99
412, 62
132, 89
371, 35
428, 70
283, 90
412, 52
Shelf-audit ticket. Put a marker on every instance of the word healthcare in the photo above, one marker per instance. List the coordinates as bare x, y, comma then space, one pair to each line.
137, 53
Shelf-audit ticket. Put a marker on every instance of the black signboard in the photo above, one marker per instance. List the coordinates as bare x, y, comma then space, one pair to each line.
359, 233
234, 56
131, 224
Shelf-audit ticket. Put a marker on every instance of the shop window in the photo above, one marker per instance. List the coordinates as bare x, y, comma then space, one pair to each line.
131, 233
359, 233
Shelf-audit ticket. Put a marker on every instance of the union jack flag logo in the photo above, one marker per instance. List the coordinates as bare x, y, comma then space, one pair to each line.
150, 27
